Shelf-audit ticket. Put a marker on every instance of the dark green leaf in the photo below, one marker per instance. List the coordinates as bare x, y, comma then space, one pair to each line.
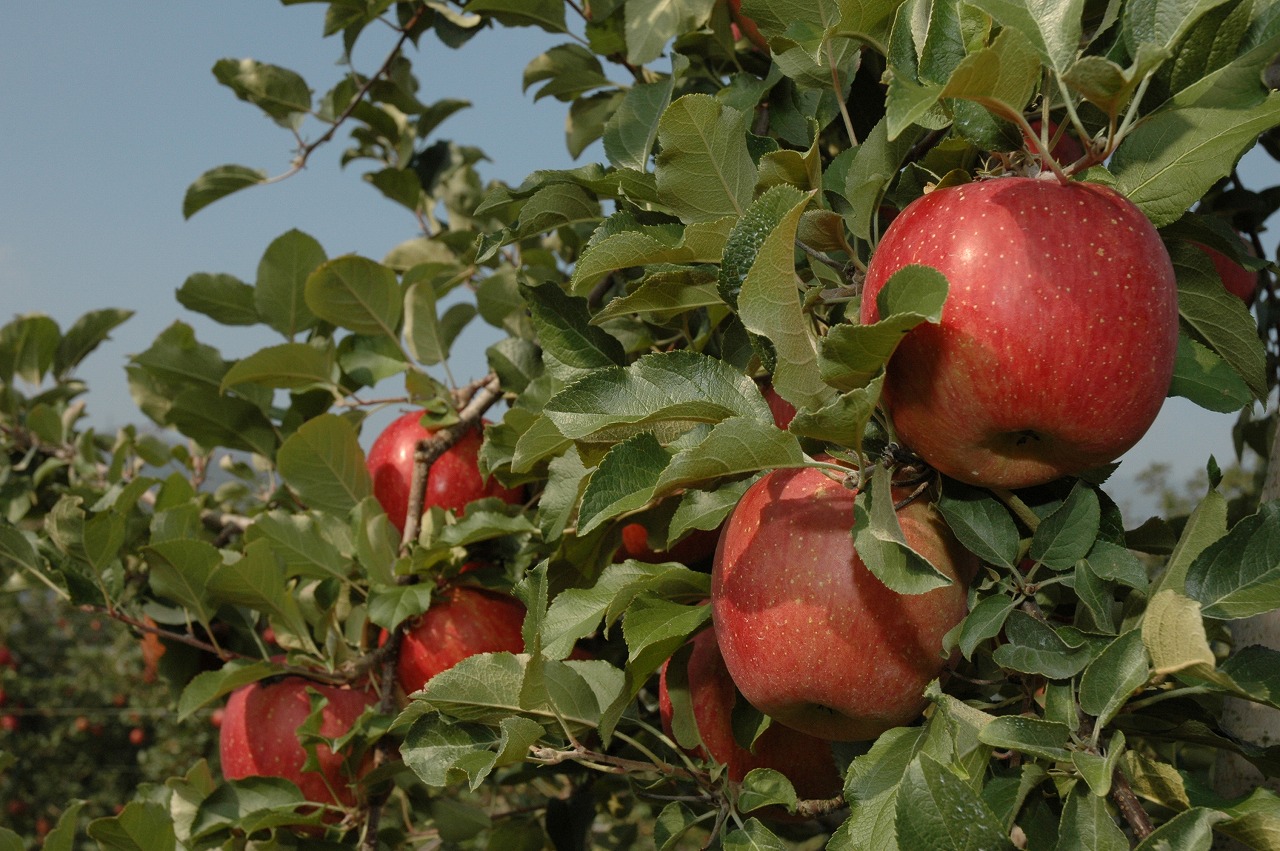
357, 294
85, 334
1032, 736
981, 522
279, 92
280, 293
140, 826
218, 183
1111, 679
289, 366
704, 169
1239, 575
324, 462
223, 298
880, 541
1034, 647
938, 810
1067, 535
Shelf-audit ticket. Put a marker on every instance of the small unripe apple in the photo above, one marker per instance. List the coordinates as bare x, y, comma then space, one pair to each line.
806, 761
453, 480
810, 636
259, 735
461, 623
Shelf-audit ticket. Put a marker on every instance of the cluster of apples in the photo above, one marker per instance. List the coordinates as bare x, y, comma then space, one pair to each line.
1052, 357
258, 728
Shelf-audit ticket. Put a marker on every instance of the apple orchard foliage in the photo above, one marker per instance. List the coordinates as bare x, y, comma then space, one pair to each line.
645, 301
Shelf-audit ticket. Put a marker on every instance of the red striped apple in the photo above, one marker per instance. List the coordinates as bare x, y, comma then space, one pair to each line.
463, 622
811, 637
1056, 345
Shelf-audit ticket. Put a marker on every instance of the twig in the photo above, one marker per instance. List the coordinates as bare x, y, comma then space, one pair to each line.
815, 807
431, 448
1129, 805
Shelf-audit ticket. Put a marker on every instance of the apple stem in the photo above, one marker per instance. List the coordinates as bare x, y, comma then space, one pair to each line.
1019, 508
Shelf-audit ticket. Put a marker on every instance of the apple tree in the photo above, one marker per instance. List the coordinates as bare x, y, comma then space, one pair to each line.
702, 321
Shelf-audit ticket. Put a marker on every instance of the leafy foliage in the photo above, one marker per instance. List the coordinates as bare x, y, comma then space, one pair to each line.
651, 305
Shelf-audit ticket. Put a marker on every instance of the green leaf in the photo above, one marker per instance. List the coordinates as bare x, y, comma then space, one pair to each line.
650, 24
624, 480
1207, 523
1218, 317
358, 294
279, 92
280, 292
1172, 157
1191, 830
880, 541
1239, 575
1112, 678
763, 787
140, 826
984, 621
1034, 647
769, 305
1067, 535
1162, 22
547, 14
704, 169
389, 606
1001, 77
323, 461
577, 612
553, 206
28, 346
1173, 632
631, 132
1032, 736
620, 245
853, 354
569, 71
217, 183
1206, 379
667, 393
63, 836
208, 686
290, 366
85, 335
875, 164
223, 298
1087, 823
753, 836
301, 540
938, 810
980, 522
568, 338
180, 571
18, 551
871, 788
257, 580
671, 824
1049, 26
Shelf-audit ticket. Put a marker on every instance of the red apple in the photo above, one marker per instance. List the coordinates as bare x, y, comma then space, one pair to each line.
6, 658
1238, 280
746, 26
1066, 151
809, 635
453, 480
805, 760
1057, 339
696, 547
9, 723
783, 411
259, 738
137, 736
463, 622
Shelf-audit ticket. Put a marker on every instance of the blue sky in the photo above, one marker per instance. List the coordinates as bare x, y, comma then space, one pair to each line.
111, 110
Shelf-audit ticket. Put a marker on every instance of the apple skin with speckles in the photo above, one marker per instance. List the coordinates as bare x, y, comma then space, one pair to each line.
806, 760
463, 622
808, 634
1056, 345
453, 480
258, 735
